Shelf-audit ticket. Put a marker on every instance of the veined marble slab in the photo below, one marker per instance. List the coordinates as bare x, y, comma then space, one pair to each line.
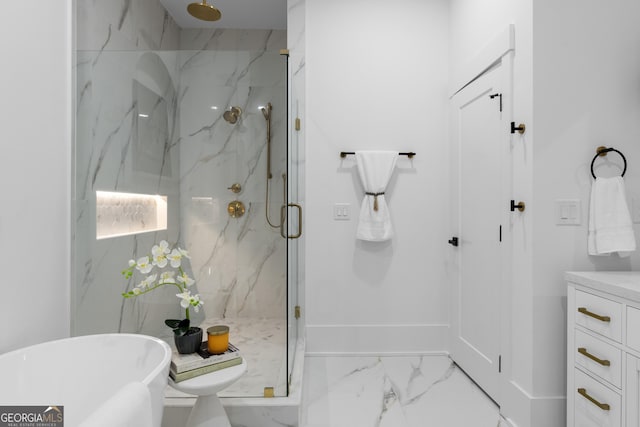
410, 391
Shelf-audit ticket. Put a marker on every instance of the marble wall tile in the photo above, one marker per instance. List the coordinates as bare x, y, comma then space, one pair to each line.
233, 40
108, 151
125, 25
239, 262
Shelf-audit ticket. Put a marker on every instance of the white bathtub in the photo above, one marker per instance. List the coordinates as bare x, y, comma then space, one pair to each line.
81, 373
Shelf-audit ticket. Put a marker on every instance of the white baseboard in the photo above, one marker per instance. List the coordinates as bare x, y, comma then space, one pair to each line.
521, 409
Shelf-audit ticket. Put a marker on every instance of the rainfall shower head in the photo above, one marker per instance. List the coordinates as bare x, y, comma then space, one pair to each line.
266, 112
204, 11
232, 115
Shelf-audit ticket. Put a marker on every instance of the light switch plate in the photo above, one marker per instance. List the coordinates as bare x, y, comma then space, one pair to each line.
568, 212
342, 211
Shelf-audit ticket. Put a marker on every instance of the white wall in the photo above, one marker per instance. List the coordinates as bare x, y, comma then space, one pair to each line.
35, 83
577, 79
586, 94
376, 78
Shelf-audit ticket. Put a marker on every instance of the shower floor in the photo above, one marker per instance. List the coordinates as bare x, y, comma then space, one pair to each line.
263, 345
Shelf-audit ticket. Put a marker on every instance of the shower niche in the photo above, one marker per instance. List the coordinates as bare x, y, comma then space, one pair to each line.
153, 123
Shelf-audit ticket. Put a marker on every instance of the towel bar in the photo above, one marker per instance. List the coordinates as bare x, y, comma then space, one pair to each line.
409, 154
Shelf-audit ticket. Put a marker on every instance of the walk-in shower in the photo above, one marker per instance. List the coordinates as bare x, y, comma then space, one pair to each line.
159, 124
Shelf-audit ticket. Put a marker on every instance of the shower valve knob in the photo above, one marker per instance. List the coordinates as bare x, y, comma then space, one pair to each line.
236, 209
453, 241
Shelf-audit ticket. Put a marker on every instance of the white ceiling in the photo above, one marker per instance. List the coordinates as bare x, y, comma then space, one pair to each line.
246, 14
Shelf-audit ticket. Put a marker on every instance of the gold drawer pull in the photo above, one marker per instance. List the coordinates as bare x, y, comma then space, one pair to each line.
583, 351
586, 312
603, 406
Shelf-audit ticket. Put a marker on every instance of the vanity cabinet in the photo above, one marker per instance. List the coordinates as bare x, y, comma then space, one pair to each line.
603, 349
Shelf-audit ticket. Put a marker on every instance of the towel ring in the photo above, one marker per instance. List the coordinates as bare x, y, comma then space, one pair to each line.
602, 151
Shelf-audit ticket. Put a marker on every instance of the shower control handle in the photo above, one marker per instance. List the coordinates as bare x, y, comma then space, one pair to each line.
236, 209
453, 241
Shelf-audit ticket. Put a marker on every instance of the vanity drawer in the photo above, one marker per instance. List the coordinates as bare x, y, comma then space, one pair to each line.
599, 315
595, 404
598, 357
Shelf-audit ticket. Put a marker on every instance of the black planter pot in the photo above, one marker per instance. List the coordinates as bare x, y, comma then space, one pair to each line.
189, 342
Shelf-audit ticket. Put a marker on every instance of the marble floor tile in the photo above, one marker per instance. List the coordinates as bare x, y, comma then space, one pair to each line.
403, 391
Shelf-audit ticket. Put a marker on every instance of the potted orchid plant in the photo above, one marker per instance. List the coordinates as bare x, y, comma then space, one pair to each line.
168, 262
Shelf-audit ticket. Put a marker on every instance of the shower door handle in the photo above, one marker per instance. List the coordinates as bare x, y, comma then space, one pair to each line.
282, 221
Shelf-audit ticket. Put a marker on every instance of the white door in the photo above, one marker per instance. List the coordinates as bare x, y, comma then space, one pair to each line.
478, 206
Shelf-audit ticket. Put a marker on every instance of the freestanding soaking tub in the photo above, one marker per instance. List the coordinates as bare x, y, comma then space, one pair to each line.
82, 373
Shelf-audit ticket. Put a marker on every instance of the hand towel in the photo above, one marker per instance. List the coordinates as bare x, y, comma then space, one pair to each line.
128, 407
375, 169
610, 227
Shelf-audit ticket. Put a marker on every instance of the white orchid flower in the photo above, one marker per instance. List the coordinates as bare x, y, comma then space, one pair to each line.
165, 258
164, 246
167, 277
159, 257
148, 281
185, 299
185, 279
175, 257
196, 303
143, 265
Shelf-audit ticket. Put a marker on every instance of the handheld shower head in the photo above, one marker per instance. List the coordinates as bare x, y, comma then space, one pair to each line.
266, 112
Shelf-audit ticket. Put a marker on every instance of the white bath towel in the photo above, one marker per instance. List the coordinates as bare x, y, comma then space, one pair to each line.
375, 169
128, 407
610, 227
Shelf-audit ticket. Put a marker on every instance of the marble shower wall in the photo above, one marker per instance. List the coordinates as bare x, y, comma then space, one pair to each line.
117, 79
132, 53
239, 263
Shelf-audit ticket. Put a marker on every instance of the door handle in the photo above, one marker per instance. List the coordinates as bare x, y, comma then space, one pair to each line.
520, 206
282, 221
453, 241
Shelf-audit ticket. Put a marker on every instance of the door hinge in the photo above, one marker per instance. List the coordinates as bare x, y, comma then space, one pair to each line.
500, 234
499, 363
296, 311
497, 95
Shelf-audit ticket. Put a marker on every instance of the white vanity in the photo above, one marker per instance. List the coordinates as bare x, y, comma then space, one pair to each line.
603, 349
